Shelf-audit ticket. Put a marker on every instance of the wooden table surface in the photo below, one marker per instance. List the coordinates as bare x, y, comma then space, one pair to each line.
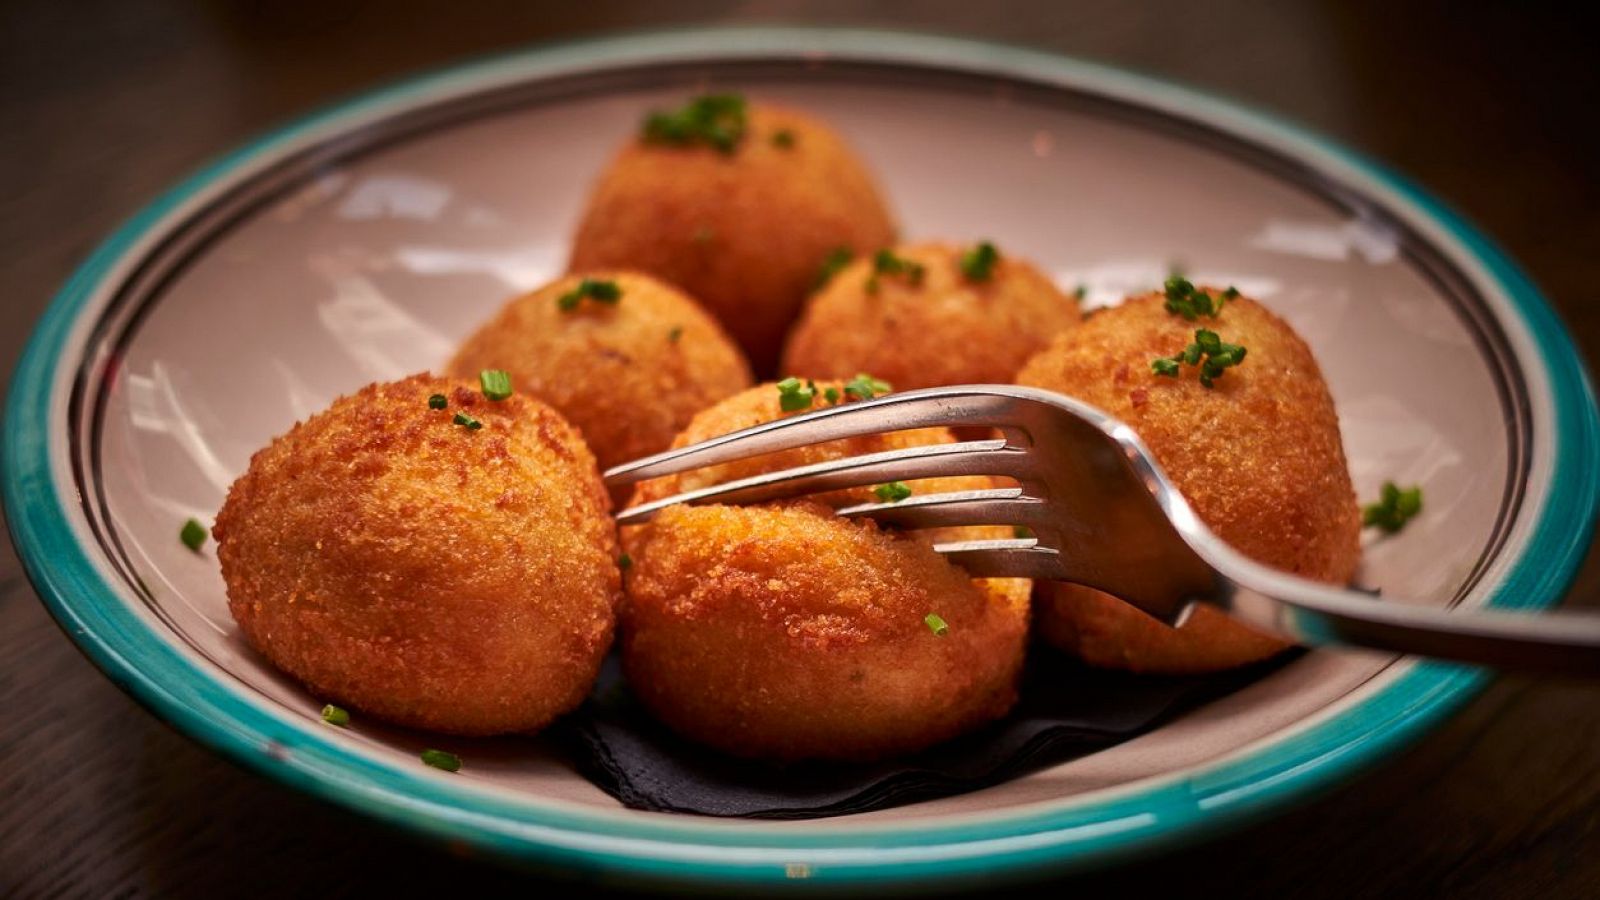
104, 103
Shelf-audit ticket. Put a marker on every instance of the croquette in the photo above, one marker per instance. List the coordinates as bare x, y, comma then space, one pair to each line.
629, 370
762, 403
738, 619
428, 557
1257, 454
787, 633
743, 226
928, 315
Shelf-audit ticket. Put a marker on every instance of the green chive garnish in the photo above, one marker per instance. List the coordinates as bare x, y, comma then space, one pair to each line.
596, 289
978, 263
439, 759
714, 119
1081, 291
884, 262
496, 383
795, 395
1212, 354
335, 715
467, 422
438, 401
1395, 507
193, 535
893, 492
1021, 532
675, 335
624, 562
1184, 299
783, 138
865, 387
837, 258
936, 624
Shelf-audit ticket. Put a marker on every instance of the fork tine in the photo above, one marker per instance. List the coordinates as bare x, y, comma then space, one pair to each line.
995, 506
1017, 558
986, 457
928, 408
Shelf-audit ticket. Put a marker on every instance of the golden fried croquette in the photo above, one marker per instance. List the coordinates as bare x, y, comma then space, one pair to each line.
629, 372
745, 231
421, 571
787, 633
736, 615
937, 327
1258, 456
761, 404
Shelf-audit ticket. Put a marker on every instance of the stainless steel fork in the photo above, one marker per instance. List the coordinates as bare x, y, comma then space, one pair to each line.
1102, 514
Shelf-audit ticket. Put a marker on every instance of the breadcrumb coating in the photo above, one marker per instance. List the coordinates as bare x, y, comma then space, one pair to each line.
789, 633
1258, 456
629, 374
744, 233
783, 632
421, 572
942, 329
760, 404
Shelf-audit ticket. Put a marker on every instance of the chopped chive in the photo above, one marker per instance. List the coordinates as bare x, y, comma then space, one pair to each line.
624, 562
1081, 291
936, 624
496, 383
467, 422
335, 715
893, 492
1021, 532
978, 263
193, 535
597, 289
783, 138
1209, 351
1395, 507
865, 387
793, 395
1186, 300
885, 262
832, 396
714, 119
440, 759
837, 258
675, 335
438, 401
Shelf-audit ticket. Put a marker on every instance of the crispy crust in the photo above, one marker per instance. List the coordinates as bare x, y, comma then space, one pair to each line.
760, 404
422, 573
788, 633
743, 233
1259, 457
614, 371
943, 330
739, 619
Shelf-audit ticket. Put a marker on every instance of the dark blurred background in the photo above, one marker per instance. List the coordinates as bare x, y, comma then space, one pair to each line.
104, 102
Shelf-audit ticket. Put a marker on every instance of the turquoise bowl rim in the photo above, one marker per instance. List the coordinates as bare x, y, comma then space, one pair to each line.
657, 849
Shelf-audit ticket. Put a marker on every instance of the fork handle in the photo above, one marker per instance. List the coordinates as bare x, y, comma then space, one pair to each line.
1318, 615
